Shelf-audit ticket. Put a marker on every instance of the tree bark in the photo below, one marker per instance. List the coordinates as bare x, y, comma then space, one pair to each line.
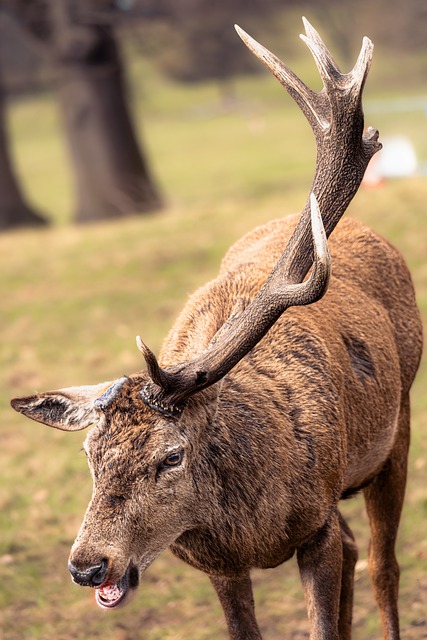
111, 174
14, 211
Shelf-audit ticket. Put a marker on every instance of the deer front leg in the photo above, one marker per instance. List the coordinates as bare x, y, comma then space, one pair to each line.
235, 595
320, 564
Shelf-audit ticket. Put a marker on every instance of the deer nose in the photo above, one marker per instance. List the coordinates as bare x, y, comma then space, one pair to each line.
91, 577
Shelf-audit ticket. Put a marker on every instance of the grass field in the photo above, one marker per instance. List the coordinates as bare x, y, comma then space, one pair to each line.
72, 301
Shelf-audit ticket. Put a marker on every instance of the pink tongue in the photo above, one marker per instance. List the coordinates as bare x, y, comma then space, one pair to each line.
110, 592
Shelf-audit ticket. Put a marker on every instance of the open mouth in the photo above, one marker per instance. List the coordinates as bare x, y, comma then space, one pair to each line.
110, 595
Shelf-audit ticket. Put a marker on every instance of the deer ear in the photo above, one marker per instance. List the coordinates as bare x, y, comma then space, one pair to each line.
69, 409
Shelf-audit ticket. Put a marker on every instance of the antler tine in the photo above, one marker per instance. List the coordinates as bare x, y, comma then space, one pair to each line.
298, 294
361, 68
158, 375
311, 31
303, 95
324, 61
322, 256
316, 286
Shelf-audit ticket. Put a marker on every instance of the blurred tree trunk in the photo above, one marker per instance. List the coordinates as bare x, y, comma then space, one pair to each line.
112, 176
14, 211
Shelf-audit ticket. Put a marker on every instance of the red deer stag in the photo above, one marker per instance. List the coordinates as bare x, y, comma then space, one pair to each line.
235, 447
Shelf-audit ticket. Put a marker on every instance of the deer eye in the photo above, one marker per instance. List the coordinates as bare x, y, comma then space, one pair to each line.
173, 459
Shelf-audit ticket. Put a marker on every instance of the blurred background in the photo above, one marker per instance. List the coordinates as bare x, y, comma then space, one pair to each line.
138, 140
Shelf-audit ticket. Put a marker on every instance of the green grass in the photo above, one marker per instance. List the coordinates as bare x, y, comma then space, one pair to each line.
73, 300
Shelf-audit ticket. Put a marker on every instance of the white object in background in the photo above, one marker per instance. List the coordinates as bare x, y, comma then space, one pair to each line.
397, 158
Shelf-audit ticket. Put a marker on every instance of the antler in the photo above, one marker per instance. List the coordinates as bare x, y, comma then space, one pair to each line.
343, 152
